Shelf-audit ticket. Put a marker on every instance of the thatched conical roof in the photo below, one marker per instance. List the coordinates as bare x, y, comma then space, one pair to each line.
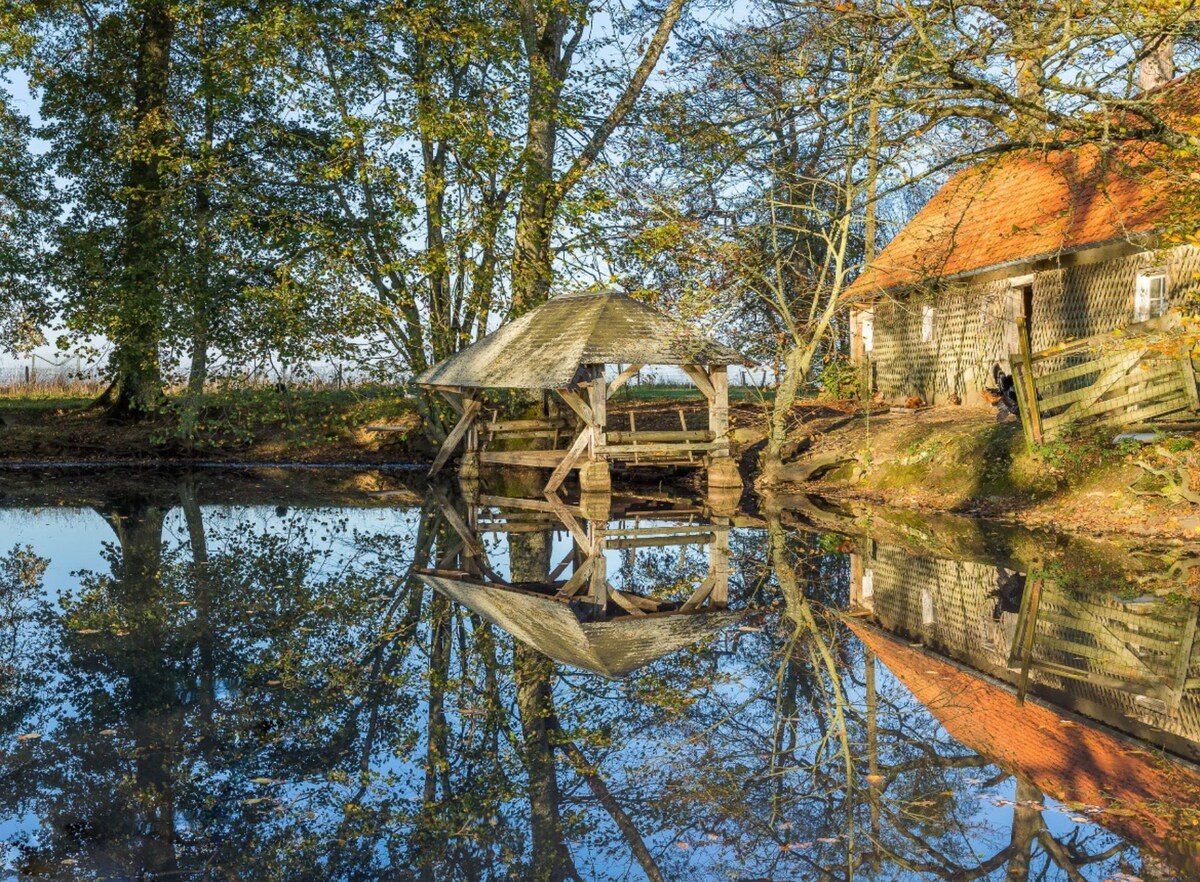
544, 348
611, 649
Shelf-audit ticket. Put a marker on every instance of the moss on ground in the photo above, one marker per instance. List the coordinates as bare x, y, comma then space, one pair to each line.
962, 459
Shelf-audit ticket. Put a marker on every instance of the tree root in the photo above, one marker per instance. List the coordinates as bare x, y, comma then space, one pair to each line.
1175, 477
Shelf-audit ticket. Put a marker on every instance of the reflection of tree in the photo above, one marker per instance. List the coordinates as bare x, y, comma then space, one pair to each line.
288, 704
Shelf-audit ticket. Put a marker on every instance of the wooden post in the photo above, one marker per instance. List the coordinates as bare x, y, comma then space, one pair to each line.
1189, 380
598, 392
1029, 386
718, 568
597, 598
718, 408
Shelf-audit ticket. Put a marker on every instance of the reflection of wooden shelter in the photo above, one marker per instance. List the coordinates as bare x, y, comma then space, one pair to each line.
563, 347
575, 615
612, 647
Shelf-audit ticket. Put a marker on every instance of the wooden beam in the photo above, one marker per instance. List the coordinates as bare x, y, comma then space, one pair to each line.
578, 579
624, 377
576, 404
1097, 390
537, 459
681, 448
657, 541
699, 376
573, 454
470, 410
656, 435
625, 602
454, 399
565, 515
538, 505
525, 425
699, 595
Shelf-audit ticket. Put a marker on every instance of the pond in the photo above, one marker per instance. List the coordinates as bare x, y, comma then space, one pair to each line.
344, 675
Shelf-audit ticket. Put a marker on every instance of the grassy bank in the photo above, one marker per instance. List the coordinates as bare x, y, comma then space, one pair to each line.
241, 425
961, 460
259, 424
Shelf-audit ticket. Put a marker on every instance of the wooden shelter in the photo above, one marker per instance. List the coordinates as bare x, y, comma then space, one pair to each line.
1043, 262
574, 614
563, 348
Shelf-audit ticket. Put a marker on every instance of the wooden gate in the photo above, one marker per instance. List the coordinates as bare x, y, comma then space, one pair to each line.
1132, 375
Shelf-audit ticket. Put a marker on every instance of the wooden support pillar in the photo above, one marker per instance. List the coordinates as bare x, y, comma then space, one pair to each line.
597, 597
723, 474
718, 408
718, 568
598, 399
594, 475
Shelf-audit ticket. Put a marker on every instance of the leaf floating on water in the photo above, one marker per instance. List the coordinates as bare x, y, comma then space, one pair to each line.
265, 781
828, 840
108, 731
256, 800
29, 736
274, 682
748, 628
875, 779
1080, 819
682, 845
88, 631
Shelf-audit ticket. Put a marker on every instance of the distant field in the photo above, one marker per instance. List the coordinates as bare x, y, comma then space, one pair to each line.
651, 393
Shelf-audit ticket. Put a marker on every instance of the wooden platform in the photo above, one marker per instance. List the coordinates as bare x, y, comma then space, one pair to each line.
538, 459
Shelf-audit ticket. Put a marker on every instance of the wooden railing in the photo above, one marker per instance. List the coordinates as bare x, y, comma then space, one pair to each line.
1121, 377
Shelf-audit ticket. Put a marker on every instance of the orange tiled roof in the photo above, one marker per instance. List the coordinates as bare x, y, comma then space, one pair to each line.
1033, 204
1069, 763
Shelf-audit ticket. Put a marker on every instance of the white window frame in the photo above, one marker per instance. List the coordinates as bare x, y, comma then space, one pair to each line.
928, 314
1152, 295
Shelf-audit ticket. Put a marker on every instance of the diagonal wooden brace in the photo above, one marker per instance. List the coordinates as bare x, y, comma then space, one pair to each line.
470, 410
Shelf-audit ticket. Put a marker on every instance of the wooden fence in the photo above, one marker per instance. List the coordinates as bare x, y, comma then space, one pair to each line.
1133, 375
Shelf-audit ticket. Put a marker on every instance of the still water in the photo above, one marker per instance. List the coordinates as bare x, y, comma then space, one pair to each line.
352, 676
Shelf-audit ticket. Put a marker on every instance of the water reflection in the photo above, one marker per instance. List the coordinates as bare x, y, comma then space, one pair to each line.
256, 679
569, 610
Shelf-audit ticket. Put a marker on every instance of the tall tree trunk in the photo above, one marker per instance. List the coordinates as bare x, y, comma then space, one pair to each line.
138, 332
1026, 824
534, 675
202, 295
543, 33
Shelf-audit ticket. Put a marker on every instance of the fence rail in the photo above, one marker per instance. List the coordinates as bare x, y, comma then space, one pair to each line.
1122, 377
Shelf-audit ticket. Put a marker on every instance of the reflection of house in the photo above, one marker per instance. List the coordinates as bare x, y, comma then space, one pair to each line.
1022, 252
1152, 800
570, 611
1130, 665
